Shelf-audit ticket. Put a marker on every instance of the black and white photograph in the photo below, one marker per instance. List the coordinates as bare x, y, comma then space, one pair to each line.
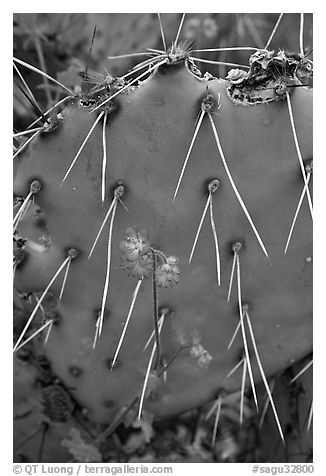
162, 241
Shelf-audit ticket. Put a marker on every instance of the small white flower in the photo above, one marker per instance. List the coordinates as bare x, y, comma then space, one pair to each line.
167, 275
203, 356
135, 244
198, 352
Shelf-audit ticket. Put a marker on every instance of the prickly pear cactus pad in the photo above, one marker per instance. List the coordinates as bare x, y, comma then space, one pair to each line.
163, 237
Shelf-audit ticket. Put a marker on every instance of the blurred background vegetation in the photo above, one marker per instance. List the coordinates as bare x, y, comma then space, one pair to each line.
59, 44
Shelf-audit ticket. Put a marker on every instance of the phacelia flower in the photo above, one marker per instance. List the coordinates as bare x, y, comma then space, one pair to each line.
202, 355
198, 352
138, 268
135, 244
167, 275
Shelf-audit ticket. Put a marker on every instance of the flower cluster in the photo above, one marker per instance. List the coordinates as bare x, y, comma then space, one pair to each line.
135, 247
201, 354
198, 352
167, 275
138, 259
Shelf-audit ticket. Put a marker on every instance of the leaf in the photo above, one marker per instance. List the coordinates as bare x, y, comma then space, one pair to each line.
81, 451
